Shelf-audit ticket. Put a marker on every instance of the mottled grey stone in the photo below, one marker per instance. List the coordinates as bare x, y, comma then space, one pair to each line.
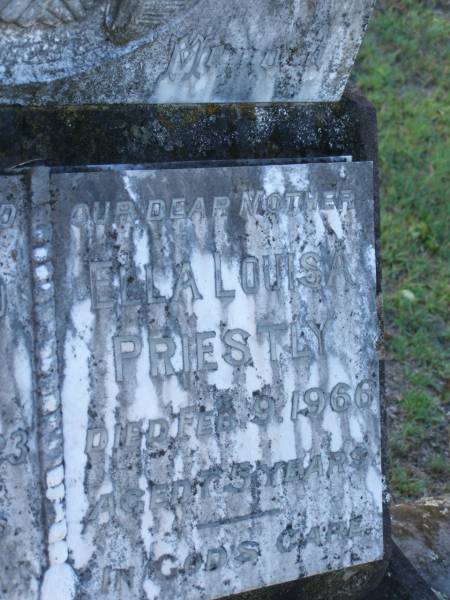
21, 532
422, 532
178, 51
221, 413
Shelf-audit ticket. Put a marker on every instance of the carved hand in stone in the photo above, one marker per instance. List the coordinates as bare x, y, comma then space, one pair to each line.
129, 19
125, 20
26, 13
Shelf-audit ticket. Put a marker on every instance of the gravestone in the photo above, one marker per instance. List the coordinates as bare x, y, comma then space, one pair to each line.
189, 303
145, 51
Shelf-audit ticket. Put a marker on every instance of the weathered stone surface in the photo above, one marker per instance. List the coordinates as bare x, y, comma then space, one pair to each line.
221, 415
401, 581
71, 136
422, 531
159, 51
21, 532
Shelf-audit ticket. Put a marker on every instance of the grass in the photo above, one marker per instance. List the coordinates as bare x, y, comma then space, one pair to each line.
404, 69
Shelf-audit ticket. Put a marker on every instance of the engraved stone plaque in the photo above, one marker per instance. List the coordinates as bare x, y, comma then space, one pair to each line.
177, 51
20, 499
217, 331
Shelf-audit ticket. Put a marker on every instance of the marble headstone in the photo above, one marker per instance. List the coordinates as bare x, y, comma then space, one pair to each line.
207, 376
177, 51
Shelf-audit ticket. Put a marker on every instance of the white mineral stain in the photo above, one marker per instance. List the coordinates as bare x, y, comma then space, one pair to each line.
151, 589
332, 423
77, 264
147, 520
273, 181
174, 396
356, 430
23, 378
246, 443
75, 403
145, 403
141, 255
375, 487
59, 582
333, 219
207, 311
111, 390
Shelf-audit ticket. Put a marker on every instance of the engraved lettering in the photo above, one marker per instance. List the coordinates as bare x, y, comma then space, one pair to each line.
198, 208
19, 440
3, 300
114, 579
339, 265
263, 407
226, 421
298, 350
315, 466
241, 477
309, 263
186, 280
340, 399
178, 208
215, 559
235, 346
319, 331
273, 203
250, 275
103, 507
330, 200
126, 347
162, 568
151, 298
102, 290
279, 260
210, 478
205, 350
273, 331
79, 215
288, 540
193, 563
158, 432
161, 349
160, 495
156, 210
186, 420
131, 501
133, 434
206, 423
125, 213
315, 401
187, 56
294, 471
337, 461
124, 281
96, 440
221, 205
220, 291
7, 215
364, 394
251, 200
187, 366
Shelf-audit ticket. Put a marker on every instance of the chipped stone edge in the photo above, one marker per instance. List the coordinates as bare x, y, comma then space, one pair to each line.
47, 393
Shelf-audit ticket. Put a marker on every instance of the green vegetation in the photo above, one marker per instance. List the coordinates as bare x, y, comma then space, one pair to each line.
404, 69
